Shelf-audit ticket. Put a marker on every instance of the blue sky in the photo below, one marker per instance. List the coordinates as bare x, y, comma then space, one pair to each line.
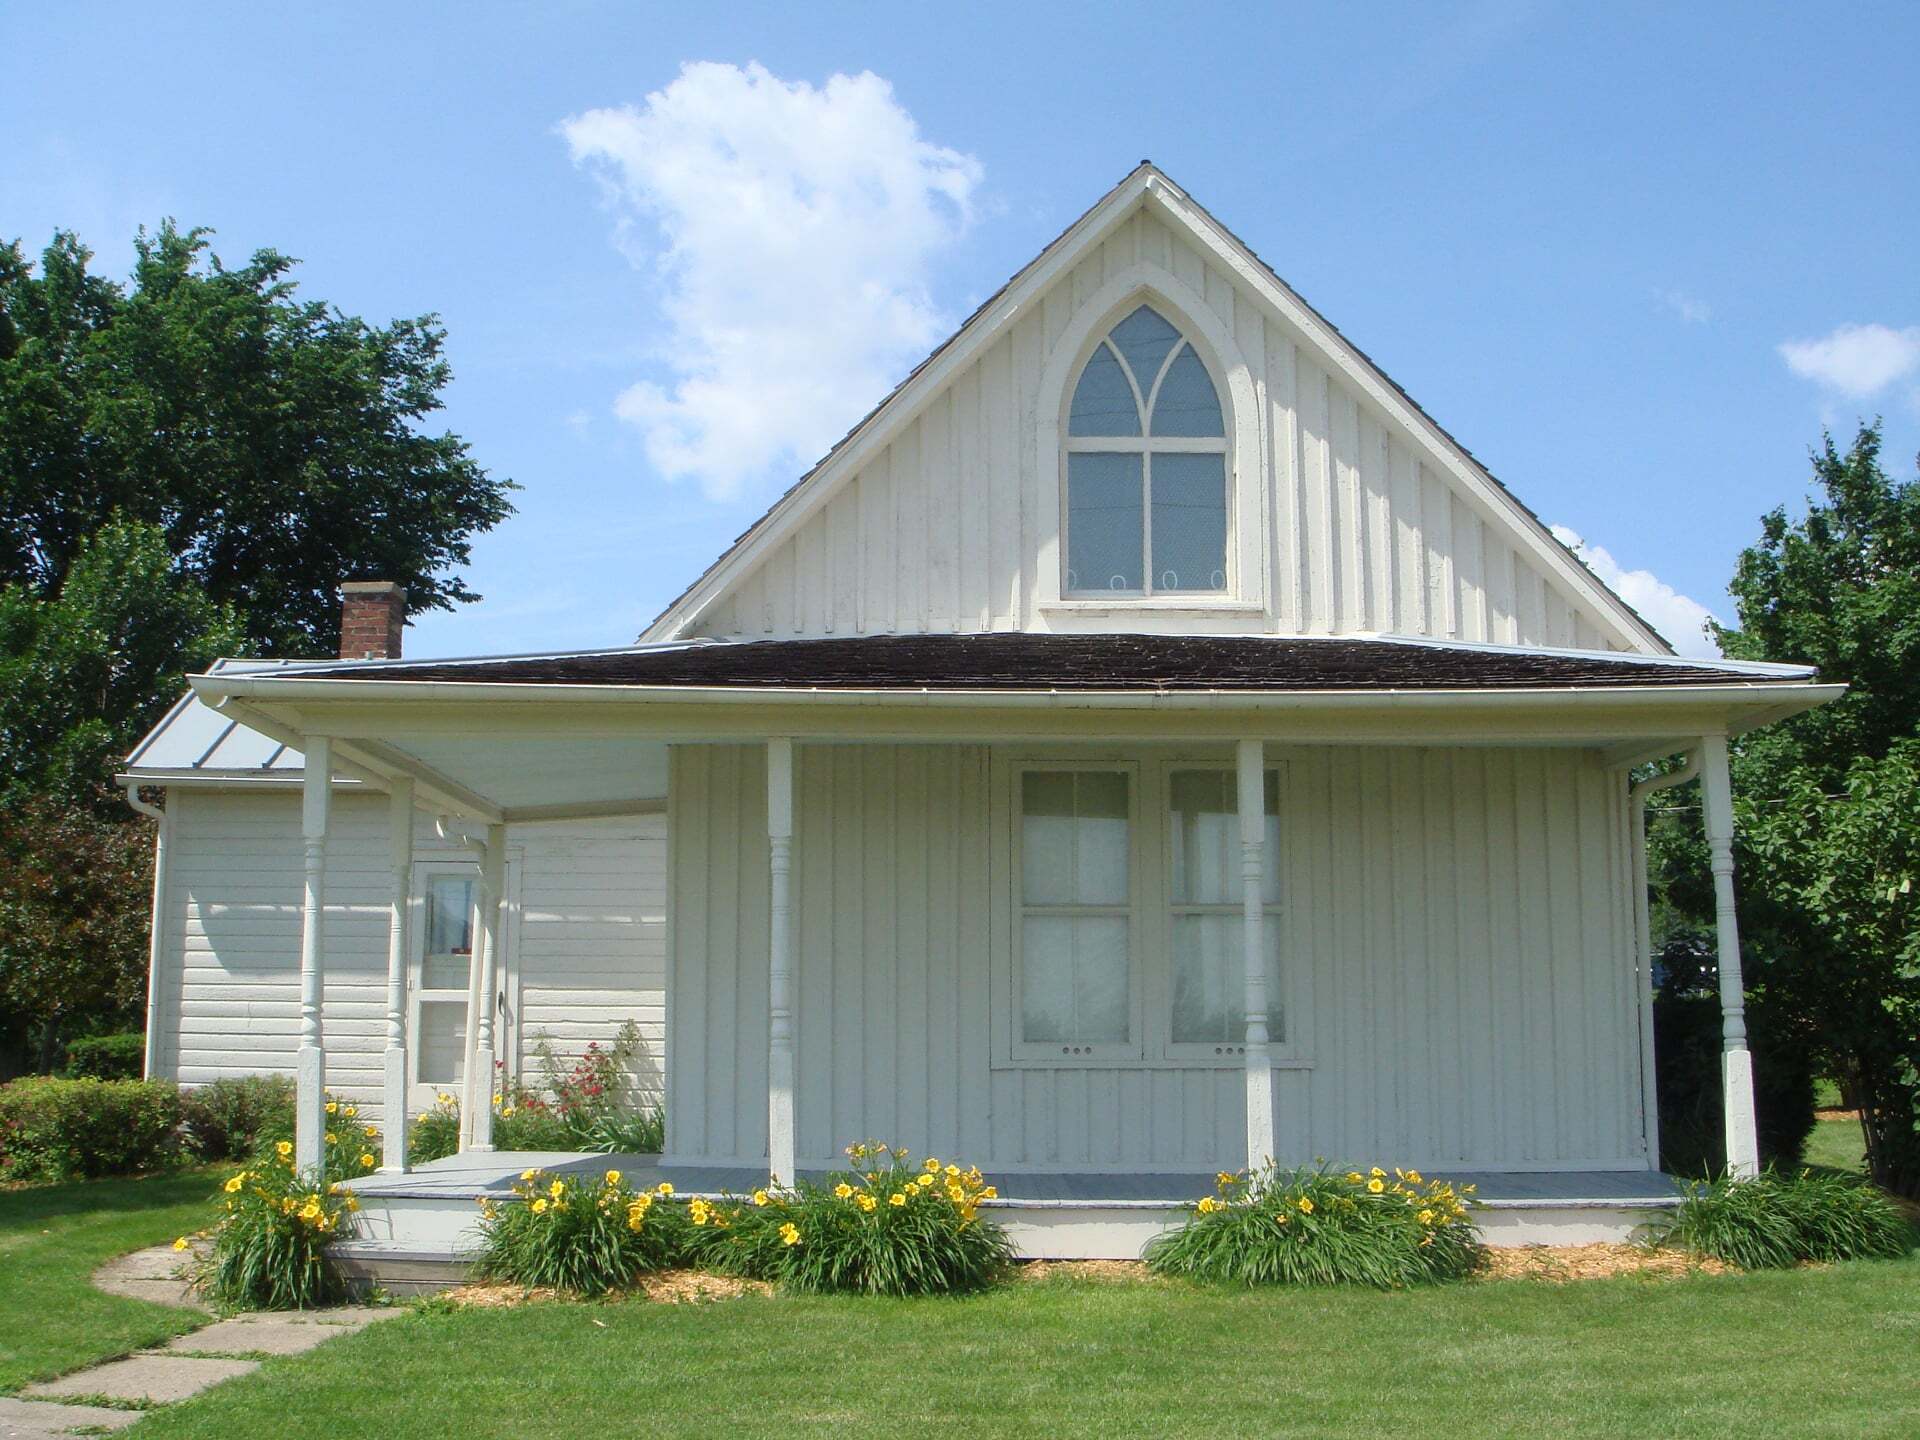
1580, 236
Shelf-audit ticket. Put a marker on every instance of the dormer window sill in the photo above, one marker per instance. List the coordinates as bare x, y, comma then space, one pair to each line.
1154, 605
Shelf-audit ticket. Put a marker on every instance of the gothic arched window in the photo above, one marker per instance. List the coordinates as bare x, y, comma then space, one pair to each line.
1146, 467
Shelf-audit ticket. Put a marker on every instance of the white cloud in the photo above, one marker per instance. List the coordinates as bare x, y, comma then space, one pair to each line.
1858, 361
792, 229
1680, 618
1691, 310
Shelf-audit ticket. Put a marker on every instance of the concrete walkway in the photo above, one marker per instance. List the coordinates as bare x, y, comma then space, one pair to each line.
183, 1367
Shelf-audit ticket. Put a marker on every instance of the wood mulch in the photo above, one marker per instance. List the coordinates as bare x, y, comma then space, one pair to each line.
1106, 1271
1558, 1264
668, 1287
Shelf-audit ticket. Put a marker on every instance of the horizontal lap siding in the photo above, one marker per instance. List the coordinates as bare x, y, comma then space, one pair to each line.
590, 937
1456, 938
941, 530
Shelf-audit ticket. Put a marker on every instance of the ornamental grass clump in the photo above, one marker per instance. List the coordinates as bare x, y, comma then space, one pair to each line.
1323, 1227
585, 1235
1772, 1221
270, 1241
887, 1227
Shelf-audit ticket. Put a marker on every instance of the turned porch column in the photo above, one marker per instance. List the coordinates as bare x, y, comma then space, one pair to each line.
394, 1094
484, 991
1251, 772
780, 1143
310, 1061
1743, 1141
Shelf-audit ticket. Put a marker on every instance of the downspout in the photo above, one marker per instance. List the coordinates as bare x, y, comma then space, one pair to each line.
1637, 794
163, 825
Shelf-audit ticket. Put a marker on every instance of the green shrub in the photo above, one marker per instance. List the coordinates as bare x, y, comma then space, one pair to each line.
585, 1236
107, 1057
1686, 1048
886, 1228
54, 1129
1773, 1221
1323, 1227
271, 1237
235, 1117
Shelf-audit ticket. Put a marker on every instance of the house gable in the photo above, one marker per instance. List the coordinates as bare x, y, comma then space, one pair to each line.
1351, 510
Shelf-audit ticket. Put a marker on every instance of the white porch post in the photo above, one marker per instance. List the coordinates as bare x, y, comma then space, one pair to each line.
1743, 1141
310, 1062
486, 968
1252, 775
780, 961
394, 1106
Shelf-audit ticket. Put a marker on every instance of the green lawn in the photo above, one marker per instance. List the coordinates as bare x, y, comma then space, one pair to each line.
51, 1238
1837, 1145
1820, 1353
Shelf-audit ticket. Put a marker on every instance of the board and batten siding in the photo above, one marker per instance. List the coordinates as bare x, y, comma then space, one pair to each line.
586, 936
942, 531
1458, 954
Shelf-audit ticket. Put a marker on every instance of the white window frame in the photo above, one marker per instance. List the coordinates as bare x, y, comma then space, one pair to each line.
421, 1093
1279, 1016
1146, 445
1066, 1052
1249, 560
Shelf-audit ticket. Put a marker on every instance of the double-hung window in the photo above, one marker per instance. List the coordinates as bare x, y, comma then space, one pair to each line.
1146, 468
1075, 925
1207, 945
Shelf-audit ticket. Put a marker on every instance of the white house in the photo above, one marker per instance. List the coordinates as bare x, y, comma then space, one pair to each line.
1146, 744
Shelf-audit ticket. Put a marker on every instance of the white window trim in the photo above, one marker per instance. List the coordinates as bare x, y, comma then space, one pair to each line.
1062, 1051
421, 1093
1248, 522
1150, 935
1279, 1001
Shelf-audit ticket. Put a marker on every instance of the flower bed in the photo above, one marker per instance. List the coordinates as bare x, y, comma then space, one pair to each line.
585, 1237
270, 1241
1323, 1227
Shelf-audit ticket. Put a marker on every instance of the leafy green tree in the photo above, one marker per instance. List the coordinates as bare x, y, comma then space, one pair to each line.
84, 672
1829, 801
275, 441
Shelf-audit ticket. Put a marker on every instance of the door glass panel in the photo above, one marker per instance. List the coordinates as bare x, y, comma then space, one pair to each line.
442, 1041
449, 940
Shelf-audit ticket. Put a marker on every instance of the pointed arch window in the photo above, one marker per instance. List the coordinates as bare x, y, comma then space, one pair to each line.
1146, 467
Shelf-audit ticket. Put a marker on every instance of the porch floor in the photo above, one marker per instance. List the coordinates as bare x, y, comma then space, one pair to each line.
468, 1177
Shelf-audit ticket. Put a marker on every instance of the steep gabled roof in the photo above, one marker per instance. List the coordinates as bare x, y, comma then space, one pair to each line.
1145, 184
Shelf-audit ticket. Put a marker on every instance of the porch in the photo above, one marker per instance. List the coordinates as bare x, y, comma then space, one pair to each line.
418, 1229
1414, 868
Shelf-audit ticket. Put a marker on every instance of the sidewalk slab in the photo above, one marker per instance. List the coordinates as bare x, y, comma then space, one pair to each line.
38, 1419
154, 1378
278, 1335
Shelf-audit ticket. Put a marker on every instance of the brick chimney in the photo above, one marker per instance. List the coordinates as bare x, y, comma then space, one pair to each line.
372, 613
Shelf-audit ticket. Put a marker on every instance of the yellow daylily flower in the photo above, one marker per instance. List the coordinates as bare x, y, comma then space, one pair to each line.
789, 1234
540, 1205
759, 1197
843, 1190
181, 1243
1306, 1205
664, 1188
613, 1177
366, 1160
235, 1183
1354, 1177
897, 1199
332, 1107
1206, 1205
351, 1111
867, 1202
990, 1193
557, 1189
933, 1166
1374, 1187
284, 1149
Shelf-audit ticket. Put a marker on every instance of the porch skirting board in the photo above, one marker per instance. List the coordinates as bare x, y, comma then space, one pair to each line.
418, 1230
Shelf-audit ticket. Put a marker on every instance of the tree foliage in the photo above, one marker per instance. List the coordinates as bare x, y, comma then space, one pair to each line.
84, 672
275, 441
1829, 801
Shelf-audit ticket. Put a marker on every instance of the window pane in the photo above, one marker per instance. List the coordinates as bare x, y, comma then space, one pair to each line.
449, 940
442, 1041
1205, 812
1105, 522
1189, 522
1046, 838
1144, 338
1074, 971
1073, 840
1206, 837
1209, 980
1187, 403
1103, 402
1100, 829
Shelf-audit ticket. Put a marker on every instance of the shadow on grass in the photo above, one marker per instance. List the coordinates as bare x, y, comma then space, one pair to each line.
119, 1195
